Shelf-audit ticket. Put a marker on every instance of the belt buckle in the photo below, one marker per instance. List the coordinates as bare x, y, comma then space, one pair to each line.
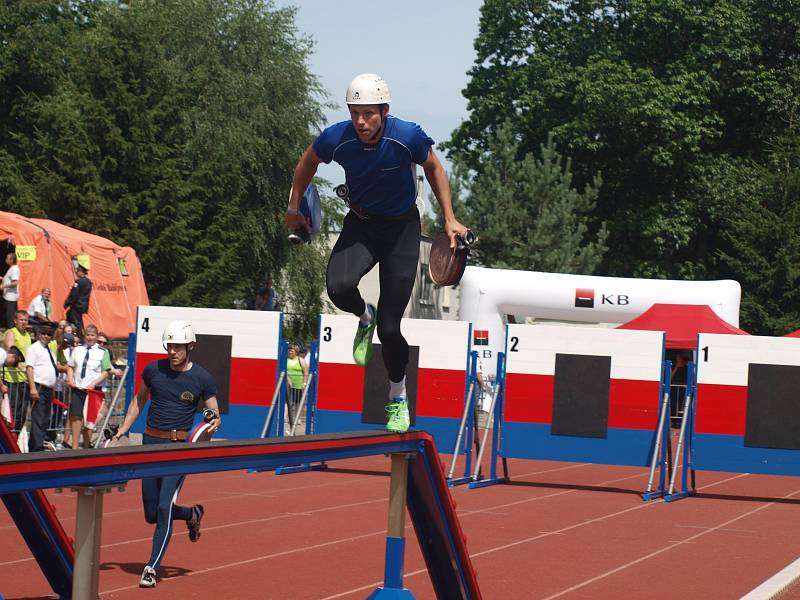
173, 435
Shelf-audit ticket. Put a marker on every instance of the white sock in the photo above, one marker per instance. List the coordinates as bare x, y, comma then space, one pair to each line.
364, 319
397, 390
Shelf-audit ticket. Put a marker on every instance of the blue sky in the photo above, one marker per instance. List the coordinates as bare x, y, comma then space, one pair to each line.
422, 48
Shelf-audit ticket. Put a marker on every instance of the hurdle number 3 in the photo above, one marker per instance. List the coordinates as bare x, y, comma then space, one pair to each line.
326, 337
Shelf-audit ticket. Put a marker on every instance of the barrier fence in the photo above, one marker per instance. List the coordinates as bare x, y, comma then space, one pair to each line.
17, 409
742, 412
581, 394
240, 348
350, 397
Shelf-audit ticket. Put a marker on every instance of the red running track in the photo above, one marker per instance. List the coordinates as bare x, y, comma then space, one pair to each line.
559, 530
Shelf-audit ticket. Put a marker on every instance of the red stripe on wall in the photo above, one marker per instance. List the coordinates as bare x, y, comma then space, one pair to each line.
252, 379
440, 392
721, 409
632, 404
529, 398
340, 387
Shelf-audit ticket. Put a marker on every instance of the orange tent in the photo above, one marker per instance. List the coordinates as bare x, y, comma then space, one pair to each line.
47, 254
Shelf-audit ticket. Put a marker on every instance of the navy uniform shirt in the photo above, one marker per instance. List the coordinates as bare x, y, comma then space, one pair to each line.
380, 176
175, 395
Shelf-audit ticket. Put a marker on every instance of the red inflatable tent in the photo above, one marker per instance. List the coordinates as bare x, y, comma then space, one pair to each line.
682, 323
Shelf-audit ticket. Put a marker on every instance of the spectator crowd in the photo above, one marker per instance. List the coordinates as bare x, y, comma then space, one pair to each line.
57, 374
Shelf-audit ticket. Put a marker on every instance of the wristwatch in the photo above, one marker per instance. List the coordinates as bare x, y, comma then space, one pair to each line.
292, 211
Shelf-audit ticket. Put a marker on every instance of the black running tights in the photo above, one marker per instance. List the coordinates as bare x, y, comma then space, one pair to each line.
394, 246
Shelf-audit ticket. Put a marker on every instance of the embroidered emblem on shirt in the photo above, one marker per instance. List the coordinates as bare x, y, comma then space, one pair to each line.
187, 396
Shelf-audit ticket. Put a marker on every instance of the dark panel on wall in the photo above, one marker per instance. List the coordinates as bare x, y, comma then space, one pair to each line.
580, 395
376, 387
773, 407
213, 352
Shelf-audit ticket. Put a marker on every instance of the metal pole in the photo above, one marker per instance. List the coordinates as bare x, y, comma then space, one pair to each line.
687, 405
272, 406
657, 448
111, 407
467, 406
489, 422
302, 404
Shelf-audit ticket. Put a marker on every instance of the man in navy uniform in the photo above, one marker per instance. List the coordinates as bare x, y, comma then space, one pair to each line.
176, 386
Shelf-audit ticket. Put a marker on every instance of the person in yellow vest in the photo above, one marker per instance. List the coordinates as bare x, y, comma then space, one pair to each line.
296, 378
18, 340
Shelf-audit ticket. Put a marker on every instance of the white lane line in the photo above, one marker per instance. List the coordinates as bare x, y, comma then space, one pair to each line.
374, 584
775, 585
226, 525
667, 548
257, 558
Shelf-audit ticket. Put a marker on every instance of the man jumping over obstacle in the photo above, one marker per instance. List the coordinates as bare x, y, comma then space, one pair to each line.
176, 386
378, 153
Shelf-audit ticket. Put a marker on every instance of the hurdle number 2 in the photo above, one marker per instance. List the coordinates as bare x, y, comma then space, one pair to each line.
514, 342
327, 334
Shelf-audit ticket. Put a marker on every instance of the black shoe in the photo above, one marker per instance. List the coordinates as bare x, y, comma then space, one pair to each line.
194, 523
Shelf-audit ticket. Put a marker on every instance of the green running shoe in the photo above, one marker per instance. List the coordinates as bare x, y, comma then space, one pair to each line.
398, 420
362, 344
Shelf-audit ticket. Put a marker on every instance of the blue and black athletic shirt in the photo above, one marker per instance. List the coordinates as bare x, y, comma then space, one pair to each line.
175, 395
380, 176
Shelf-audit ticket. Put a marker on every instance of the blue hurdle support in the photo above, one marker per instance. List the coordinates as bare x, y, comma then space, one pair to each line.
467, 430
684, 449
418, 481
495, 419
395, 539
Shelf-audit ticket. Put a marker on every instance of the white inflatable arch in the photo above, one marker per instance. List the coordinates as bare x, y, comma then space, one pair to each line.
488, 295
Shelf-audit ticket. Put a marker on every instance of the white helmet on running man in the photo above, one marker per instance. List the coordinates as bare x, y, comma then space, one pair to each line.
178, 332
368, 88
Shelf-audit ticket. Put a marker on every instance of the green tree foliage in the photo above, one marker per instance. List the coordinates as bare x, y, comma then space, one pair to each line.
657, 96
527, 213
299, 286
170, 126
759, 243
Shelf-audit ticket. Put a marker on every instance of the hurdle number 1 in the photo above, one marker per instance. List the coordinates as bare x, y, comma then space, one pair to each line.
705, 354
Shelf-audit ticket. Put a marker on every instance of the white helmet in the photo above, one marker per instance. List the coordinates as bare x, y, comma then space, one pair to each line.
368, 88
178, 332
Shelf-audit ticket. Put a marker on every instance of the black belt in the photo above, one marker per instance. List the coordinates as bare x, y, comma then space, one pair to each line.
364, 214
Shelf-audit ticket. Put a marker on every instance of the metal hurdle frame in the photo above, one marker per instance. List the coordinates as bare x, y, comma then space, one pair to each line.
308, 399
662, 447
278, 395
494, 423
468, 428
684, 448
